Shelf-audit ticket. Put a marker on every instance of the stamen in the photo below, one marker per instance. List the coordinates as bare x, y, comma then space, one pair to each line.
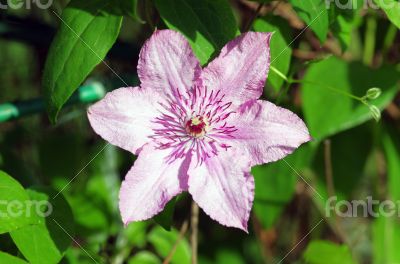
196, 122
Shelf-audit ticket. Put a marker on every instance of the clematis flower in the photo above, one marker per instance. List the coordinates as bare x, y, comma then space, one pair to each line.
197, 129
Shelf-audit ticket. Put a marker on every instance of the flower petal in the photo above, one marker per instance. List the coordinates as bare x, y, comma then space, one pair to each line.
151, 183
223, 188
267, 132
124, 117
167, 63
241, 68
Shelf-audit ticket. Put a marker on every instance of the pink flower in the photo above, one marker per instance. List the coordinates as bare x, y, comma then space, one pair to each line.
197, 130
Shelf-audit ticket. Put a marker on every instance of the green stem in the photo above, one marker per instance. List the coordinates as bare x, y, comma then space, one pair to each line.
329, 88
280, 74
389, 38
369, 41
291, 81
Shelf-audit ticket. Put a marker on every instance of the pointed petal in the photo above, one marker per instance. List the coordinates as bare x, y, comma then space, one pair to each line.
124, 117
241, 68
267, 132
167, 63
223, 188
151, 183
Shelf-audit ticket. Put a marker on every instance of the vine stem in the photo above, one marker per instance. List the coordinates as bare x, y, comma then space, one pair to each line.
291, 81
194, 228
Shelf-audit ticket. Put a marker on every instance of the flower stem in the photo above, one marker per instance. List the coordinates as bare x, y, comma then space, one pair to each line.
182, 233
194, 227
250, 23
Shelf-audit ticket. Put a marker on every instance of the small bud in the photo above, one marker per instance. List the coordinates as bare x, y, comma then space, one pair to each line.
376, 113
373, 93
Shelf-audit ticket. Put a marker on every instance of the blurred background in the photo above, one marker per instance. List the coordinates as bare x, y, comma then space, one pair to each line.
329, 56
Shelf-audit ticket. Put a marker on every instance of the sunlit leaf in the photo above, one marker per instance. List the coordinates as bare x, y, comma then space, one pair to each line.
46, 242
392, 10
347, 18
87, 31
327, 111
8, 259
315, 14
14, 205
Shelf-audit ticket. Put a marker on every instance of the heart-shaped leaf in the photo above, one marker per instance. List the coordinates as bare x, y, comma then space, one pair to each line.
327, 111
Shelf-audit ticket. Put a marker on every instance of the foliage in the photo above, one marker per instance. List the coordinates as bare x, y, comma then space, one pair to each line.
336, 67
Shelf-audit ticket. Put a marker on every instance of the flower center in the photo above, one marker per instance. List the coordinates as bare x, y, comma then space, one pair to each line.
197, 126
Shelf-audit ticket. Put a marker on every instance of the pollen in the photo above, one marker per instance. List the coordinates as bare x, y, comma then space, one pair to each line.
197, 126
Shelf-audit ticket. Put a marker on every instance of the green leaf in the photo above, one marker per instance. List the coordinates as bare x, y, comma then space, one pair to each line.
144, 257
386, 240
392, 10
315, 14
208, 24
391, 144
94, 200
319, 252
90, 217
386, 229
231, 256
346, 21
275, 185
87, 31
46, 242
281, 52
76, 255
14, 205
135, 233
8, 259
129, 8
328, 112
163, 241
165, 218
